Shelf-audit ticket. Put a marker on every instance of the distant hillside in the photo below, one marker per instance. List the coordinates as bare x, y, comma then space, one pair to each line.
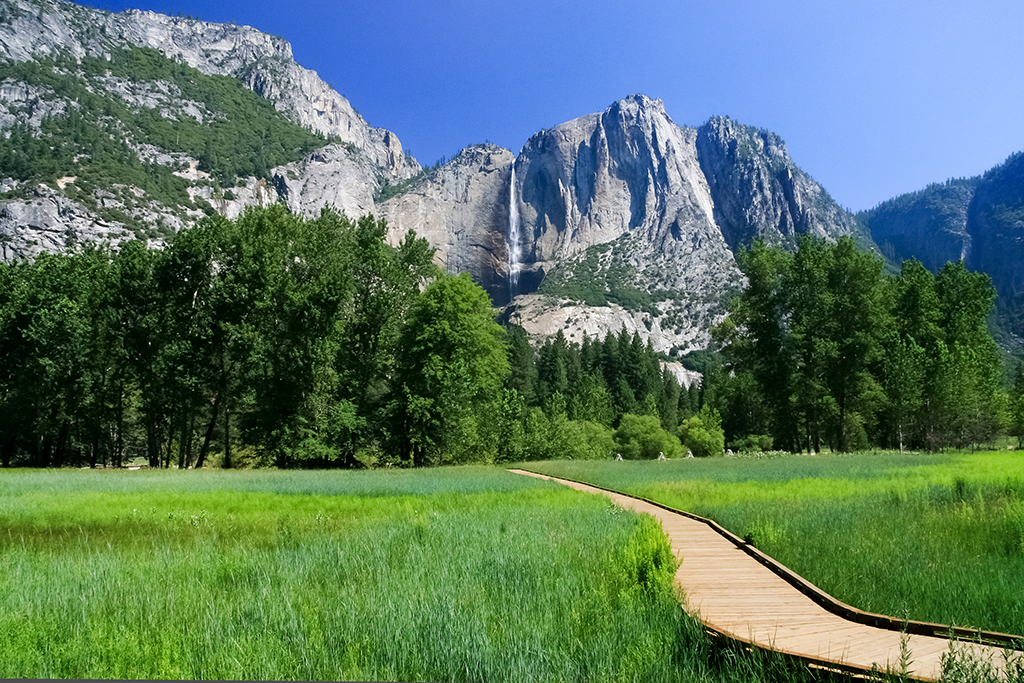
980, 220
125, 135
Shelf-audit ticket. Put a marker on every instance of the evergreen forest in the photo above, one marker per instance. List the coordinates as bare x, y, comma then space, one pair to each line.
822, 349
278, 340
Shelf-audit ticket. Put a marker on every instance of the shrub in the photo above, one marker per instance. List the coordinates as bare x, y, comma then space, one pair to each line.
588, 441
647, 563
641, 437
536, 432
703, 433
753, 442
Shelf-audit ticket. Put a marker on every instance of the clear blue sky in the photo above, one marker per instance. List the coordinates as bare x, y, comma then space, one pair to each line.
873, 97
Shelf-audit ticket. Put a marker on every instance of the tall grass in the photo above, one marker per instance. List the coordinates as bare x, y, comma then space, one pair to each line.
449, 574
934, 538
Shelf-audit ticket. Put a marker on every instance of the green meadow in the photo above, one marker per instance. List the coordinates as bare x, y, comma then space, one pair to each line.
936, 538
461, 574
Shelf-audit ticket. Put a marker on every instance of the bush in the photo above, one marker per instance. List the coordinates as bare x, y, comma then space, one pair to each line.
647, 563
537, 438
703, 433
588, 441
753, 442
641, 437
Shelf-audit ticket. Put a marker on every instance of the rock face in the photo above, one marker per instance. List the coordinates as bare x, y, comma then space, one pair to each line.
618, 218
336, 175
624, 208
462, 210
264, 63
630, 170
759, 192
47, 222
543, 316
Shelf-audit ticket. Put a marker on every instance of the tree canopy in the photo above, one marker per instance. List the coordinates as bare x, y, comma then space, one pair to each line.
833, 352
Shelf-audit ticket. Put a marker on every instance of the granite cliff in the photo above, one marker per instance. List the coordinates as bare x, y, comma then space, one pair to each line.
30, 29
617, 218
58, 38
624, 219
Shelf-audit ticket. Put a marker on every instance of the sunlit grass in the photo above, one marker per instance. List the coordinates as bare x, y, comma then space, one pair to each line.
929, 537
447, 574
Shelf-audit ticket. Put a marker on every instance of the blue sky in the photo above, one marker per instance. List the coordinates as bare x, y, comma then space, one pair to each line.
873, 98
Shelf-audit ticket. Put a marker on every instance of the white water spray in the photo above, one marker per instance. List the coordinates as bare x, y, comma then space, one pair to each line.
513, 236
513, 240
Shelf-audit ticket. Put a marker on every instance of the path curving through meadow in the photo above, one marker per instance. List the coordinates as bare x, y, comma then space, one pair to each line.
740, 593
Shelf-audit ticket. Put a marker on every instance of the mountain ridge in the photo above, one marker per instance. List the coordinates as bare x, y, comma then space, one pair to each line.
625, 218
636, 185
979, 220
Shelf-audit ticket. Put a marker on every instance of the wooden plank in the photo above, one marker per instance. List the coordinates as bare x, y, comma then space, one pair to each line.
739, 592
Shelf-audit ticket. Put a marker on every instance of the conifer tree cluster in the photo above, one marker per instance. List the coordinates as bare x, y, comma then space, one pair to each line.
822, 349
598, 398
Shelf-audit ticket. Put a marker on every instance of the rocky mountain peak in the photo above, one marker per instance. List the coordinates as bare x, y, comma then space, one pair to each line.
264, 63
624, 219
616, 218
638, 107
759, 191
745, 142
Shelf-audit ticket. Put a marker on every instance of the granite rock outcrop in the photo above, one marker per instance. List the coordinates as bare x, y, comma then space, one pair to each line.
627, 219
623, 218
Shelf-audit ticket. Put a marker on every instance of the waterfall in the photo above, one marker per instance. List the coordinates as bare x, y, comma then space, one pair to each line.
513, 236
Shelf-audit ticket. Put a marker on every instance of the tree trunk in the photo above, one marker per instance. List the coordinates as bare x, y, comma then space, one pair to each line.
227, 464
62, 442
43, 459
170, 442
119, 425
152, 446
191, 438
209, 431
183, 443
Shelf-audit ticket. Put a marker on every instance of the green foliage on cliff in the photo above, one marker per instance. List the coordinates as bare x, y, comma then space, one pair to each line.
603, 275
597, 277
388, 190
95, 133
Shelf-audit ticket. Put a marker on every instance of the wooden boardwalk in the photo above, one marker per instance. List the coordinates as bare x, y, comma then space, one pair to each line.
742, 594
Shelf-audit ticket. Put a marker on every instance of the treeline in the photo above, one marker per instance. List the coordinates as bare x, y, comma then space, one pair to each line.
591, 399
278, 340
264, 339
822, 349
